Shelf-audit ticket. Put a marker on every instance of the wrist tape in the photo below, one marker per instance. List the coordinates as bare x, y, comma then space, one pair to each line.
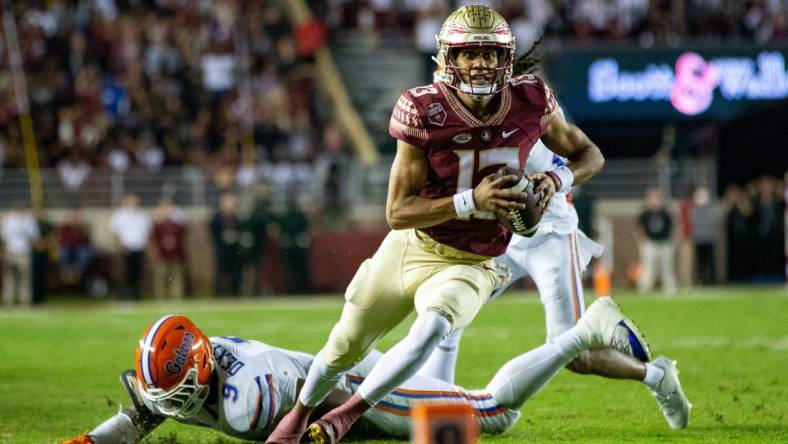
464, 204
563, 177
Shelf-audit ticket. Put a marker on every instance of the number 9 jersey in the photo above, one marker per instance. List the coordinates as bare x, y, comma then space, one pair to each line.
462, 149
256, 386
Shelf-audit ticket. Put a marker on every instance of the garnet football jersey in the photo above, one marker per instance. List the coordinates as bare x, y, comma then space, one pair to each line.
462, 149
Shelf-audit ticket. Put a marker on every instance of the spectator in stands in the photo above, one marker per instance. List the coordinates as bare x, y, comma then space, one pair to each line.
253, 235
225, 232
685, 254
18, 230
769, 230
149, 154
75, 249
131, 227
741, 234
658, 24
294, 241
42, 246
655, 227
169, 238
73, 170
528, 21
705, 225
429, 18
331, 178
218, 70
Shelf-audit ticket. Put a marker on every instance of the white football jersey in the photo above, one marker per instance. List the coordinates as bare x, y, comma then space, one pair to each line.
257, 387
560, 216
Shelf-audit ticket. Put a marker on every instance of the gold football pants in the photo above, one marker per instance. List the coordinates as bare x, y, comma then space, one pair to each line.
409, 270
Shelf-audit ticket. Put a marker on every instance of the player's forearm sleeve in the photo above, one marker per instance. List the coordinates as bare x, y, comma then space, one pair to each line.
127, 427
119, 429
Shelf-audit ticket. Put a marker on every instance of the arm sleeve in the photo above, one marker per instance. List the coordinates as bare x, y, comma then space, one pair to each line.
406, 123
127, 427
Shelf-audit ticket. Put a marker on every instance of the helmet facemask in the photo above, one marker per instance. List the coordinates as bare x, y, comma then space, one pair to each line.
182, 401
499, 75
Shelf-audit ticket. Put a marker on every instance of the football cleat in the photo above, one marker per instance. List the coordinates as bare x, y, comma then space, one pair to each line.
320, 435
674, 403
174, 366
628, 340
604, 325
474, 26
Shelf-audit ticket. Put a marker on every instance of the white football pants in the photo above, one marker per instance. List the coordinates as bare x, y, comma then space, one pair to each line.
556, 263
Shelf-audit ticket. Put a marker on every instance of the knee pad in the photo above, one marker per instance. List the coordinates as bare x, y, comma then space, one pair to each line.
341, 351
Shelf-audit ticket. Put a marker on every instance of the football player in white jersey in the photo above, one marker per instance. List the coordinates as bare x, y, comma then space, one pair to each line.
555, 258
243, 388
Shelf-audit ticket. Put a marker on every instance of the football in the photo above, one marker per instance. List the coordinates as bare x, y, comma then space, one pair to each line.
521, 222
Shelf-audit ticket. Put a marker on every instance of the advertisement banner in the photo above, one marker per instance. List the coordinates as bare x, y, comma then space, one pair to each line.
667, 84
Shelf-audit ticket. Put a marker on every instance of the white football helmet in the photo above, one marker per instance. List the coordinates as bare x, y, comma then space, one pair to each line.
469, 26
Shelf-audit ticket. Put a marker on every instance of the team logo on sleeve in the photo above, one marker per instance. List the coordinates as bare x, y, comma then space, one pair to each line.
436, 114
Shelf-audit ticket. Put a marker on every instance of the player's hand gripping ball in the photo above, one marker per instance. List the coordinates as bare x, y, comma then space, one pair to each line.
521, 222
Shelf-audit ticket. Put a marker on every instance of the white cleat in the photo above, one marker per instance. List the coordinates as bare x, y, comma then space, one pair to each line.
674, 403
604, 325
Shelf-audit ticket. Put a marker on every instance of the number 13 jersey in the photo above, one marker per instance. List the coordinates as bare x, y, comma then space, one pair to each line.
462, 149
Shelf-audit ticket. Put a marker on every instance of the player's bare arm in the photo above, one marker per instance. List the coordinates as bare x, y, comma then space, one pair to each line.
584, 157
405, 208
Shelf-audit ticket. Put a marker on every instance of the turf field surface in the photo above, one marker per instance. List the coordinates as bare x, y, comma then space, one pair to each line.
59, 364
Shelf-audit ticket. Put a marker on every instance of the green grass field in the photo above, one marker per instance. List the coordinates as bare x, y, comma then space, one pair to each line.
59, 365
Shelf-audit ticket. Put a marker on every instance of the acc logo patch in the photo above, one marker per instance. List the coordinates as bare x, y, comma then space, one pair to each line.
435, 114
462, 138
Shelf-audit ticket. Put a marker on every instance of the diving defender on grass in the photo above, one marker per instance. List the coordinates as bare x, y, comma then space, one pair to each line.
243, 388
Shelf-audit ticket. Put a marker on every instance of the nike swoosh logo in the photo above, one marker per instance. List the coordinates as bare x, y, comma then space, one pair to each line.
506, 134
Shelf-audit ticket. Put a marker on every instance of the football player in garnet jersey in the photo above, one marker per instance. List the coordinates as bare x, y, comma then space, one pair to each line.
242, 388
451, 136
555, 257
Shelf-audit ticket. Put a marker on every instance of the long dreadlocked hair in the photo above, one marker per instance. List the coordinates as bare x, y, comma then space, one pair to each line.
528, 63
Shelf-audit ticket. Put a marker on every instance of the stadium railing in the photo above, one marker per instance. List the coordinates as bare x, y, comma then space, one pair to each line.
366, 185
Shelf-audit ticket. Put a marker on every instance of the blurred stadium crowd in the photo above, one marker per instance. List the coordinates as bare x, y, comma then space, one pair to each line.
643, 21
116, 83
